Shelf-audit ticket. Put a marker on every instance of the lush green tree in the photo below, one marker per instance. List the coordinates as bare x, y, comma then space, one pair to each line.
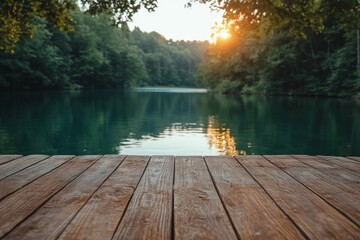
98, 55
323, 64
16, 18
38, 64
16, 15
298, 16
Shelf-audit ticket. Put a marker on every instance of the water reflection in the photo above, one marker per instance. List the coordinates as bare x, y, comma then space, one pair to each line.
170, 90
181, 123
178, 139
220, 138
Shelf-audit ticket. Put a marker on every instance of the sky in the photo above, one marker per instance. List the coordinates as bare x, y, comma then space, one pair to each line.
172, 20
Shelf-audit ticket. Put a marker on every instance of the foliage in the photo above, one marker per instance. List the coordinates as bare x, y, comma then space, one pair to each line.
255, 62
261, 57
298, 16
16, 16
98, 55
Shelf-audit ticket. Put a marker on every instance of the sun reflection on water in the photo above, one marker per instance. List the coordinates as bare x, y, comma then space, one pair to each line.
220, 137
205, 139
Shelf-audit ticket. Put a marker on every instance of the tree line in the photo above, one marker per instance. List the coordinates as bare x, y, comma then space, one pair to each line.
98, 55
300, 47
287, 48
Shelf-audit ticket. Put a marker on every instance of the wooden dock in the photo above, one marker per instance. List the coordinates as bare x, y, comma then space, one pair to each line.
164, 197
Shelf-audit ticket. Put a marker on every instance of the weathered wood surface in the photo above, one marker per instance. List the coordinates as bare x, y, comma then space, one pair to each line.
341, 174
63, 206
17, 207
100, 216
22, 178
8, 158
164, 197
240, 193
198, 211
311, 213
149, 213
343, 197
344, 162
18, 164
354, 158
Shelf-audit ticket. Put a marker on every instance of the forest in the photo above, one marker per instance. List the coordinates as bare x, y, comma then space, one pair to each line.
274, 48
299, 47
323, 64
98, 55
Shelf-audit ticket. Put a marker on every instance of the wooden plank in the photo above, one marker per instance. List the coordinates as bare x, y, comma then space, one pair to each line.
344, 162
148, 215
354, 158
316, 218
19, 205
20, 179
254, 214
337, 194
198, 210
341, 174
18, 164
100, 216
8, 158
63, 206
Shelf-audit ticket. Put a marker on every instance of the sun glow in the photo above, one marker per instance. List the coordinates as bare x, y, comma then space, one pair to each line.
220, 32
224, 34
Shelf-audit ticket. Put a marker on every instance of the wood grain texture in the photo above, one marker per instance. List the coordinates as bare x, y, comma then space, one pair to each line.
339, 195
198, 211
18, 164
100, 197
20, 179
63, 206
100, 216
21, 204
344, 162
354, 158
148, 215
341, 174
316, 218
253, 212
8, 158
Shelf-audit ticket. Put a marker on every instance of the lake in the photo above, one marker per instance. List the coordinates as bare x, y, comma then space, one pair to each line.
175, 121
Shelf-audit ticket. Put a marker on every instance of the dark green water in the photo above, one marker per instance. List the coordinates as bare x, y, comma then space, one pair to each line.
176, 123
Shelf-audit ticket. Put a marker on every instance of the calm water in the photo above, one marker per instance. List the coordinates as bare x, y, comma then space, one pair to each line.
176, 122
